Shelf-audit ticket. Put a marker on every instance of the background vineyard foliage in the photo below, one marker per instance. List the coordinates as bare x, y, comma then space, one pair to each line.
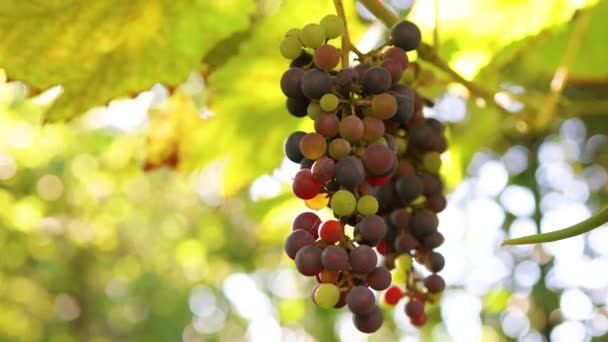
95, 248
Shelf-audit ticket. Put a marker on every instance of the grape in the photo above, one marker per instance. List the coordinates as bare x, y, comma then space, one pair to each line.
369, 322
327, 125
434, 283
384, 106
343, 203
414, 307
313, 146
431, 162
316, 83
419, 320
323, 169
379, 279
326, 57
435, 262
394, 69
333, 26
304, 185
405, 109
386, 196
392, 295
360, 300
367, 205
390, 143
406, 35
293, 32
436, 202
405, 168
290, 82
304, 59
361, 69
436, 125
363, 259
314, 110
351, 128
291, 147
350, 172
424, 222
306, 163
327, 276
307, 221
334, 258
312, 35
405, 242
431, 184
408, 188
326, 295
331, 231
296, 240
421, 136
372, 229
440, 144
373, 129
339, 148
297, 106
308, 260
376, 80
400, 218
433, 240
377, 160
366, 189
291, 47
318, 202
345, 81
329, 102
398, 55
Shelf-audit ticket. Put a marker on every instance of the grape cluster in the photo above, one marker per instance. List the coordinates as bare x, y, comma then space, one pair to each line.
374, 160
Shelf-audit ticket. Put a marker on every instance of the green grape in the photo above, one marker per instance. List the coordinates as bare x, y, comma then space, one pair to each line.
401, 145
329, 102
343, 202
291, 48
431, 162
367, 205
326, 295
339, 148
384, 106
381, 141
312, 36
404, 262
313, 110
293, 32
333, 26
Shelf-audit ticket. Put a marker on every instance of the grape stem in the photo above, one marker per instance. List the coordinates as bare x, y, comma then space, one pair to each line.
344, 52
589, 224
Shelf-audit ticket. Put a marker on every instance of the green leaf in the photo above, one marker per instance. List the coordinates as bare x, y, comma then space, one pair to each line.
100, 50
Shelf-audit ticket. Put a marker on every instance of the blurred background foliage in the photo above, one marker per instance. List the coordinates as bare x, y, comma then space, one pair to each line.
158, 211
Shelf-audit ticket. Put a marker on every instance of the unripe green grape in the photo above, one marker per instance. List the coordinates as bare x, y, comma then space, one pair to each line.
293, 32
432, 162
313, 110
329, 102
381, 141
343, 202
367, 205
339, 148
326, 295
291, 48
333, 26
384, 106
312, 36
401, 145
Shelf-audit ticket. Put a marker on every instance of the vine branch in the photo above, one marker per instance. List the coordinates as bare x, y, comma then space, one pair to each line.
344, 54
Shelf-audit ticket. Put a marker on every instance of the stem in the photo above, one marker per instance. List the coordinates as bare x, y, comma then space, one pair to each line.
560, 78
589, 224
436, 25
345, 36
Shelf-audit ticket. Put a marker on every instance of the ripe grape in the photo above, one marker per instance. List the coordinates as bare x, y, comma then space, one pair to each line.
326, 295
306, 163
424, 222
326, 57
409, 188
398, 55
291, 147
291, 47
406, 35
377, 160
394, 69
323, 169
367, 205
327, 276
290, 82
350, 172
307, 221
376, 80
296, 240
329, 102
436, 202
308, 260
431, 183
304, 59
392, 295
351, 128
313, 146
334, 258
434, 283
419, 320
346, 80
400, 218
384, 106
435, 262
405, 168
297, 106
343, 203
363, 259
360, 300
327, 125
315, 83
372, 229
369, 322
331, 231
421, 136
405, 109
405, 242
433, 240
312, 35
304, 185
333, 26
339, 148
414, 307
379, 279
373, 129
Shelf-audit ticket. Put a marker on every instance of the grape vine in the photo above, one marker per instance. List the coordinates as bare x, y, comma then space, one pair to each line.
374, 160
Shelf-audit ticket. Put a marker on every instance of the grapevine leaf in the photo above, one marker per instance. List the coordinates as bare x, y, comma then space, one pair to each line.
582, 227
100, 50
